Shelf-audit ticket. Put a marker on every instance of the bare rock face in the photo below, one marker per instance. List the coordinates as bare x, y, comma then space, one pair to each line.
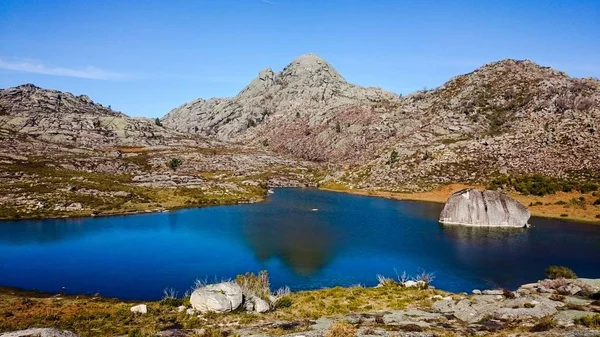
483, 208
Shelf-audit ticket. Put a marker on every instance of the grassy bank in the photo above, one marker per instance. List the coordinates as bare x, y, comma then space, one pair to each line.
98, 316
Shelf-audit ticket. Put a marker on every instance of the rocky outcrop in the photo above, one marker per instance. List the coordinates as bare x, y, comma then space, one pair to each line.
220, 297
483, 208
39, 332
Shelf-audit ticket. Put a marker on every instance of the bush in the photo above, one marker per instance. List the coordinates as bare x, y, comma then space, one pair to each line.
597, 202
283, 302
174, 163
589, 321
556, 272
588, 187
341, 329
540, 185
257, 285
544, 324
157, 122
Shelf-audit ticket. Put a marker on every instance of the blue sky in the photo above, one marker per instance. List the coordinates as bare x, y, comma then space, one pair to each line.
147, 57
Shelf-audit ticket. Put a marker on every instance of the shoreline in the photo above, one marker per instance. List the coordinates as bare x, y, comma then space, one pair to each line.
441, 194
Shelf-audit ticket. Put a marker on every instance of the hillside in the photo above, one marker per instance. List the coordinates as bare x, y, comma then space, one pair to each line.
64, 155
506, 117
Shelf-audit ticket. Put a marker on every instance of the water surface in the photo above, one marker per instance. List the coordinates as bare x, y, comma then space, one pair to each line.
347, 241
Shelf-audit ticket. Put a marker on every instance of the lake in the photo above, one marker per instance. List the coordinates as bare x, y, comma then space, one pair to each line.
347, 241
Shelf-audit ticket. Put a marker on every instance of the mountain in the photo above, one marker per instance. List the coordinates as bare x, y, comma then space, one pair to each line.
509, 116
61, 117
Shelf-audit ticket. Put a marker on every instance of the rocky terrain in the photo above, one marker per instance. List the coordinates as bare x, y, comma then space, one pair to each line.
506, 117
395, 308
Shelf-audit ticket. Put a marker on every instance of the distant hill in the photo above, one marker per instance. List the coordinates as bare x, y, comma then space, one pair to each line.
61, 117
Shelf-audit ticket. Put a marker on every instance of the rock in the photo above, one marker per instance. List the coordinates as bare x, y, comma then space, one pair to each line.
410, 284
567, 317
76, 206
493, 292
260, 305
181, 308
476, 292
190, 311
483, 208
39, 332
220, 297
569, 289
140, 308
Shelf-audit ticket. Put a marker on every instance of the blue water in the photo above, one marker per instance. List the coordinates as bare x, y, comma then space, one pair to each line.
347, 241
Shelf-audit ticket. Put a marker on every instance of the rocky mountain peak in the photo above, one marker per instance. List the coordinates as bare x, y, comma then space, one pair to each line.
310, 65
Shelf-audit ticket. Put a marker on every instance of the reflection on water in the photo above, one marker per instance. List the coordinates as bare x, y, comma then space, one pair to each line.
348, 241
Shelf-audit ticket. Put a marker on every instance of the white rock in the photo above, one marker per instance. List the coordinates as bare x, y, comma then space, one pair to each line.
261, 305
140, 308
181, 308
220, 297
410, 284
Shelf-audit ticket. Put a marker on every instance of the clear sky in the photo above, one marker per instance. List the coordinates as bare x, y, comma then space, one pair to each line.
147, 57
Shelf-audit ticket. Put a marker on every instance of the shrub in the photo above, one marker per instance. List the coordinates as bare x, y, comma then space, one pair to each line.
588, 187
589, 321
597, 202
157, 122
170, 298
544, 324
341, 329
564, 215
393, 157
338, 128
555, 272
174, 163
283, 302
257, 285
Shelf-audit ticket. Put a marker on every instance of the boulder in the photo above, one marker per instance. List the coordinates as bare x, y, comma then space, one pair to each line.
39, 332
473, 207
140, 308
220, 297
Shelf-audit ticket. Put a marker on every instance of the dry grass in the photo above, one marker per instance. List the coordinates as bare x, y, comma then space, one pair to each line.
341, 329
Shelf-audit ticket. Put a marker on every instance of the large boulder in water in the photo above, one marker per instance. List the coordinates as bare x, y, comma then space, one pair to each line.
484, 208
220, 297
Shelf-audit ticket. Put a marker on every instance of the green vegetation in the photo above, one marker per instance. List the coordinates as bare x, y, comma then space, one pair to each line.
393, 158
157, 122
338, 128
283, 302
589, 321
556, 272
544, 324
540, 185
174, 163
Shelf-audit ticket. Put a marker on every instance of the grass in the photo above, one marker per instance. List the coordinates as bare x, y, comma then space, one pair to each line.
589, 321
102, 193
96, 316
